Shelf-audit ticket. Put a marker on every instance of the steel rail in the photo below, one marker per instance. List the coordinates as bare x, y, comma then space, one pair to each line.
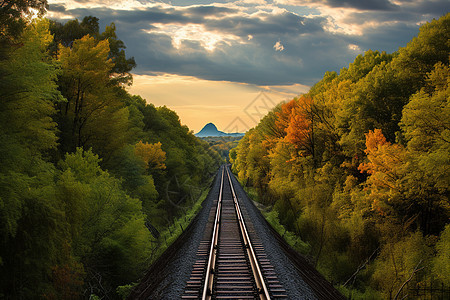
257, 274
207, 289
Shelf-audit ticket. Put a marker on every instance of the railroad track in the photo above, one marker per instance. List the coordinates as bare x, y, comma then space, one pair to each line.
228, 264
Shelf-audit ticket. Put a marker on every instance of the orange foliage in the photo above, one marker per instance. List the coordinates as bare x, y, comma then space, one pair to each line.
151, 154
386, 167
374, 140
296, 120
383, 156
283, 117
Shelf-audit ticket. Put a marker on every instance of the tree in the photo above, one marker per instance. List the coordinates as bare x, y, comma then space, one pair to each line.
13, 15
426, 126
399, 260
300, 130
422, 53
93, 107
151, 154
73, 30
108, 231
27, 130
122, 66
386, 166
31, 224
426, 118
441, 263
358, 167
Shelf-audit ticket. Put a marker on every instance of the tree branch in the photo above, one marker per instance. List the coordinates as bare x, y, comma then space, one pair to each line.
362, 266
416, 269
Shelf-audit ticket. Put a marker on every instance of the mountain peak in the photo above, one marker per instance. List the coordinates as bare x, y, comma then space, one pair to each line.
210, 126
211, 130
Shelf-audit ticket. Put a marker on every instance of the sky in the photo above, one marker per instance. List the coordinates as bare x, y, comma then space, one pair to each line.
230, 62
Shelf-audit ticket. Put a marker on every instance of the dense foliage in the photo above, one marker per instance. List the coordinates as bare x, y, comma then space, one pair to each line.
223, 144
91, 177
359, 168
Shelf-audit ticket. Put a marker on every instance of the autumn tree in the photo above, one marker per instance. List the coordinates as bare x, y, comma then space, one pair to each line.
300, 130
151, 154
386, 167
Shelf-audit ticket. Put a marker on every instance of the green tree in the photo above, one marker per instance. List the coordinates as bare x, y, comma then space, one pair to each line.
73, 30
93, 109
441, 263
32, 227
27, 130
108, 231
13, 16
426, 126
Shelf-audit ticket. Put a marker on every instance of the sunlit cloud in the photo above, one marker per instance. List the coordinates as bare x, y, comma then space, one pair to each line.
278, 46
193, 32
260, 2
59, 15
354, 47
113, 4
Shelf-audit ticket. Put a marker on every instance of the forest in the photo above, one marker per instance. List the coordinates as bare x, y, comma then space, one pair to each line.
93, 180
222, 144
357, 170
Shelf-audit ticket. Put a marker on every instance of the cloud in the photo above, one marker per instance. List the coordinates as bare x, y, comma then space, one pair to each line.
356, 4
234, 41
278, 46
180, 34
354, 47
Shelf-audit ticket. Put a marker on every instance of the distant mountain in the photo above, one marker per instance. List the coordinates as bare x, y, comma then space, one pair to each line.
211, 130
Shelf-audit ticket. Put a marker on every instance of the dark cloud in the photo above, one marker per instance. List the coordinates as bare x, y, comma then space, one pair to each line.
381, 5
267, 24
436, 8
57, 8
209, 10
378, 39
304, 60
361, 4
